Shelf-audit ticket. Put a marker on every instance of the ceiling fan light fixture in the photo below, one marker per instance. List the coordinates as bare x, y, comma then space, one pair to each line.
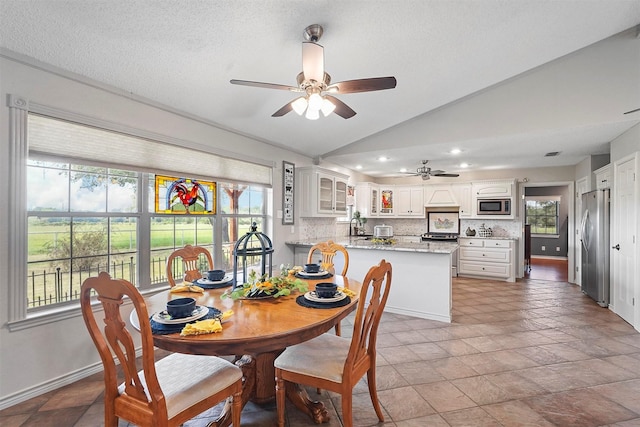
312, 114
327, 107
299, 105
315, 102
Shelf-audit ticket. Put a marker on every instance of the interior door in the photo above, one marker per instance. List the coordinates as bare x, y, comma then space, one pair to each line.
582, 186
623, 257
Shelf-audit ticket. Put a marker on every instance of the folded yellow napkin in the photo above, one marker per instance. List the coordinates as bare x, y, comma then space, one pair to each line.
207, 326
186, 288
347, 292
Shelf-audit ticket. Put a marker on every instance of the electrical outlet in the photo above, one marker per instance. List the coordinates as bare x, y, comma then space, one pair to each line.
557, 248
543, 248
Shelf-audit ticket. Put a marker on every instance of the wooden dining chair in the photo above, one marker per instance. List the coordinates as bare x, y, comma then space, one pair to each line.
328, 251
334, 363
190, 260
164, 393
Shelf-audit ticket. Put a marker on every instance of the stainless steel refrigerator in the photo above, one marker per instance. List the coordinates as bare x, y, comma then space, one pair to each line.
595, 245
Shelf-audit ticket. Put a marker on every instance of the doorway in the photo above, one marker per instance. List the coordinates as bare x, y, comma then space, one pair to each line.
557, 256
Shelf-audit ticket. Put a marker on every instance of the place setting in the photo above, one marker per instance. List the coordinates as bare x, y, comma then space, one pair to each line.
325, 295
181, 313
313, 272
215, 279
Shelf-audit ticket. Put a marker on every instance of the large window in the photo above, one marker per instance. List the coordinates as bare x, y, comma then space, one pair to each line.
84, 217
542, 215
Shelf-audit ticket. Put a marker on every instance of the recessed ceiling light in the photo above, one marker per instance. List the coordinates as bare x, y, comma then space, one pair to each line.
383, 159
464, 165
359, 167
456, 151
403, 170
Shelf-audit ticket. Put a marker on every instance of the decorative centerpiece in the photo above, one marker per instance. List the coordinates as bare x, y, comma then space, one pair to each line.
383, 241
264, 286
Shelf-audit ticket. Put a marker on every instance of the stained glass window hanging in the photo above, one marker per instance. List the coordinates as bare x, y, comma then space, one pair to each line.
184, 196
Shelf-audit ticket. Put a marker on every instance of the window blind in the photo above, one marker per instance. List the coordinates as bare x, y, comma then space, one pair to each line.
71, 140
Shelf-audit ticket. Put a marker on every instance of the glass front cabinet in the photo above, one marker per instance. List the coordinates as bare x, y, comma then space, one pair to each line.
321, 192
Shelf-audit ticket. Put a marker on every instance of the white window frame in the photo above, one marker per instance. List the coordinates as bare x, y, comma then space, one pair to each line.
19, 108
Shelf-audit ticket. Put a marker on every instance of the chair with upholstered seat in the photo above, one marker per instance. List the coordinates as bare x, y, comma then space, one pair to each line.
335, 363
164, 393
328, 251
190, 260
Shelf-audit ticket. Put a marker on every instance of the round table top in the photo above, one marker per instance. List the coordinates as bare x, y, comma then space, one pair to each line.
257, 326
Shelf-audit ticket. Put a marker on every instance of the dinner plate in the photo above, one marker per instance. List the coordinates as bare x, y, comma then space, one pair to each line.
311, 296
163, 317
204, 281
319, 273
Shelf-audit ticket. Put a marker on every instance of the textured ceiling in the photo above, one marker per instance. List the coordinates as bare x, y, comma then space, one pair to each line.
505, 81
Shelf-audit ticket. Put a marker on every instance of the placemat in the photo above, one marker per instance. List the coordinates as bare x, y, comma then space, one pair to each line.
214, 285
301, 275
162, 329
301, 300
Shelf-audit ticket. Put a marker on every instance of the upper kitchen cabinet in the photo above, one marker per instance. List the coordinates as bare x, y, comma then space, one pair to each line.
603, 177
493, 189
439, 195
410, 201
462, 193
368, 199
321, 192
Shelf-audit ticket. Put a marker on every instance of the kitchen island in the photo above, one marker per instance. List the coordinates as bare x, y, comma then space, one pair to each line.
421, 279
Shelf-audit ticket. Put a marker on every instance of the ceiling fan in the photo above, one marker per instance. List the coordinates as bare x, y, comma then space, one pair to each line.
315, 84
426, 172
632, 111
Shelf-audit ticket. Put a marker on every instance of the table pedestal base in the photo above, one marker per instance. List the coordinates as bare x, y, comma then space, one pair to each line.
259, 386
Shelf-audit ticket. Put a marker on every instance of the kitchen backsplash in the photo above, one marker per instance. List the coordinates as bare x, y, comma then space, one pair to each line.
313, 228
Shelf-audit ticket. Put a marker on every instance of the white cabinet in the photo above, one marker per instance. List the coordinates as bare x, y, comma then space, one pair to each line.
490, 189
410, 201
604, 177
462, 193
439, 195
368, 199
487, 258
321, 192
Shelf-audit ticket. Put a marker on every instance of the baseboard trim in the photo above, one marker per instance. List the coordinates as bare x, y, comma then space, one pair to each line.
549, 257
53, 384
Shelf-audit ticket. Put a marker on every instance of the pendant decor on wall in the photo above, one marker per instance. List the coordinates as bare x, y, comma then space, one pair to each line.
288, 180
184, 196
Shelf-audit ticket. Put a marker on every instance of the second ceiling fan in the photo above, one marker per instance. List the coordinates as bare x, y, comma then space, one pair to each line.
426, 172
315, 84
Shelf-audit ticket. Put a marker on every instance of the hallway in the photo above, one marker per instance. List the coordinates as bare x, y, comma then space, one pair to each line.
554, 269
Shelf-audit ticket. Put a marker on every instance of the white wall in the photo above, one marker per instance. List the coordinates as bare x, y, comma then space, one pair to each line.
40, 357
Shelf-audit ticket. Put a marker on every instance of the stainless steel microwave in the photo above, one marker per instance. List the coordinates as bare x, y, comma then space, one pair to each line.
494, 206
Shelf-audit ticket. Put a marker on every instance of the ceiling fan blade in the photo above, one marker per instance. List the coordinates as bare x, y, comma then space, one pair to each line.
632, 111
264, 85
436, 172
364, 85
313, 61
284, 110
452, 175
342, 109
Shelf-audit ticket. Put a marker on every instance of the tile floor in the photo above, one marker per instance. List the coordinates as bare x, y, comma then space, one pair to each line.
531, 353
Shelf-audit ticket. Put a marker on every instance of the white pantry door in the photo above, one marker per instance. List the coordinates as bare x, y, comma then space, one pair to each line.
623, 243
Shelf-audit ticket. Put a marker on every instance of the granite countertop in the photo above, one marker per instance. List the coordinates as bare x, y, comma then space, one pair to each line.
361, 243
492, 237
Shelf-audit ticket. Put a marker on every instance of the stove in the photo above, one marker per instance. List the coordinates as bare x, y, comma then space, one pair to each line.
426, 237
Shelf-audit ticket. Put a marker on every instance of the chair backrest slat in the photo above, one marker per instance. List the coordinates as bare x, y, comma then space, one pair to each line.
328, 251
190, 256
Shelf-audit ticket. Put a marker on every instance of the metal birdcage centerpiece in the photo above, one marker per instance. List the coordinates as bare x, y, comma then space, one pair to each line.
253, 245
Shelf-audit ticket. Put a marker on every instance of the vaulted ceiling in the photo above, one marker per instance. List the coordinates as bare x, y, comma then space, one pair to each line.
503, 81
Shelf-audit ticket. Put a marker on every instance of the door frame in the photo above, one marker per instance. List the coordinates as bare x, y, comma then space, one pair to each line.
571, 238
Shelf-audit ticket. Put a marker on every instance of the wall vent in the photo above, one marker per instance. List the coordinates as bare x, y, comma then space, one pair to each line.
552, 154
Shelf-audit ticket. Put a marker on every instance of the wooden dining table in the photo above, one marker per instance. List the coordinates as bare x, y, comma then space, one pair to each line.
257, 332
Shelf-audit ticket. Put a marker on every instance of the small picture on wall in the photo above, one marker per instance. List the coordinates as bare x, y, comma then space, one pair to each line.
443, 223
